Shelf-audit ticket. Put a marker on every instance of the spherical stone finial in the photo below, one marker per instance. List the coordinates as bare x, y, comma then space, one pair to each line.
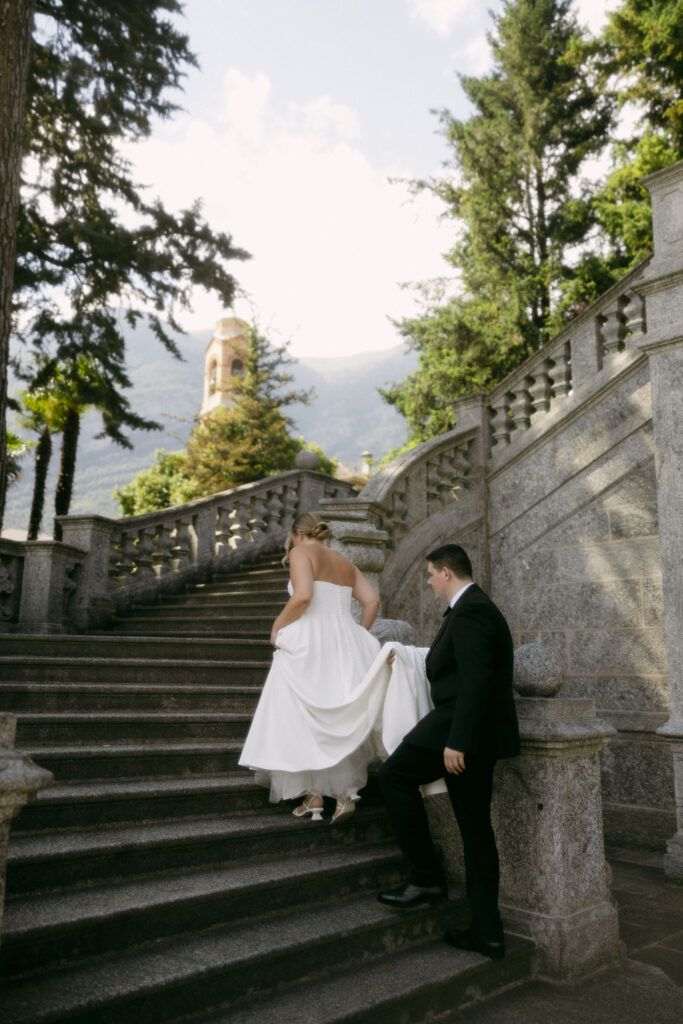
538, 670
306, 459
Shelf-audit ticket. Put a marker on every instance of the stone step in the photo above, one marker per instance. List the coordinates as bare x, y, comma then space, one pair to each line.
117, 802
89, 696
136, 647
38, 861
90, 763
101, 918
36, 728
267, 575
162, 981
187, 629
134, 670
242, 597
200, 612
412, 985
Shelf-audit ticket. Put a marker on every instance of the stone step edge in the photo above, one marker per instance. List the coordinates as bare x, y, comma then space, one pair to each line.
429, 982
146, 688
132, 789
111, 717
142, 972
106, 901
83, 842
60, 661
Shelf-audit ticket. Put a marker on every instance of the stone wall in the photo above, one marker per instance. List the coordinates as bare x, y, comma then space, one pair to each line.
557, 491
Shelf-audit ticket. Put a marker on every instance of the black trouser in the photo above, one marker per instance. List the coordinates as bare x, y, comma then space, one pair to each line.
401, 775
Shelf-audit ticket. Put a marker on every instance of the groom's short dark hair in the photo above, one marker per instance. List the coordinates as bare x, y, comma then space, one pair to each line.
453, 557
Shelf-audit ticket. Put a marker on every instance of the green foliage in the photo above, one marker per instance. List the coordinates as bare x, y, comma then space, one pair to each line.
325, 464
641, 50
17, 447
519, 206
99, 76
163, 485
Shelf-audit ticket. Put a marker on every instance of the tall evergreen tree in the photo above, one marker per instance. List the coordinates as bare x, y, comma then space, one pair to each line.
520, 207
250, 440
642, 52
16, 25
100, 74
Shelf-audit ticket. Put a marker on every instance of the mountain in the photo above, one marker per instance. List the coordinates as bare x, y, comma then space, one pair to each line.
346, 417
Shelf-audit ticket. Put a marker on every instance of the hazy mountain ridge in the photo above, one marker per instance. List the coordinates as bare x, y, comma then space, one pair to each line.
346, 417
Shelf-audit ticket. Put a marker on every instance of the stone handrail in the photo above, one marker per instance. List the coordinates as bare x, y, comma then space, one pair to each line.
137, 558
597, 343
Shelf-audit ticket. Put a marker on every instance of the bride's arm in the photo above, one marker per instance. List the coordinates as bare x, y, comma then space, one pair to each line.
301, 575
366, 594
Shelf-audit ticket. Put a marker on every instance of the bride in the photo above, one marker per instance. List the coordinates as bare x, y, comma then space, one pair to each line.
314, 731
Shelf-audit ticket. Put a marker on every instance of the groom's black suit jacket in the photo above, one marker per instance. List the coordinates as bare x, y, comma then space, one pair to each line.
469, 667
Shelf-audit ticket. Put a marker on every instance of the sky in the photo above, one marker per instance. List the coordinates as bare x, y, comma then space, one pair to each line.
300, 131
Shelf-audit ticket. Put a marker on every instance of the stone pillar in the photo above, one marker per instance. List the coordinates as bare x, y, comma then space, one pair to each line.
547, 816
20, 780
663, 290
356, 534
93, 604
48, 585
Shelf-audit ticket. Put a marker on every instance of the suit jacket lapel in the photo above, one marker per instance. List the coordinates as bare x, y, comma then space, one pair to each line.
436, 639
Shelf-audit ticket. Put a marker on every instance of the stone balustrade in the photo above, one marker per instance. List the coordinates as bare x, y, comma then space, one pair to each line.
102, 565
602, 340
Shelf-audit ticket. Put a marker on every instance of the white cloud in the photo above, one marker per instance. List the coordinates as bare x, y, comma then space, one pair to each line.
441, 15
592, 13
475, 58
331, 237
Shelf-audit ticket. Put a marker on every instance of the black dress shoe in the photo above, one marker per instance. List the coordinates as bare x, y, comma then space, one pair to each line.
466, 940
413, 895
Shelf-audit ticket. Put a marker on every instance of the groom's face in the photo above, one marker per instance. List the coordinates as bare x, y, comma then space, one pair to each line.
438, 580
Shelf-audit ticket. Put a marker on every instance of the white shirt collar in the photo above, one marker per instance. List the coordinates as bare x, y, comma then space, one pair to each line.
456, 597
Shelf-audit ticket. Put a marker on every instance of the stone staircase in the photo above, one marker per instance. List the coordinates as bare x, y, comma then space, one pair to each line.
154, 882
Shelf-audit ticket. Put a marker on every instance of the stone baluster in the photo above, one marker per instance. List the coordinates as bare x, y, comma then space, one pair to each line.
223, 525
113, 562
144, 568
634, 315
20, 780
181, 552
127, 557
500, 420
10, 587
273, 511
239, 524
257, 519
290, 507
461, 466
520, 407
561, 372
540, 390
161, 550
612, 330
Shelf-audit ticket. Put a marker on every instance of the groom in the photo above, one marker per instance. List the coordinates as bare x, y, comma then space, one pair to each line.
473, 723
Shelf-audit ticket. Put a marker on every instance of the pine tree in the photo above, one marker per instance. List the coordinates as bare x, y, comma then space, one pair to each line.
642, 52
16, 24
87, 232
250, 440
520, 209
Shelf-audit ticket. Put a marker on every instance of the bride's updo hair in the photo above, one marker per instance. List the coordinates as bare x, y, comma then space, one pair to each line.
310, 525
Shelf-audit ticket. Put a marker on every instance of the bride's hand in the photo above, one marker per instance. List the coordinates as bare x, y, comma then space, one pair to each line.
273, 636
391, 657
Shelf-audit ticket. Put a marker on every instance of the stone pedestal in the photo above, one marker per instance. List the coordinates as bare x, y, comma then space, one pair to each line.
547, 816
663, 287
93, 604
48, 586
357, 535
20, 780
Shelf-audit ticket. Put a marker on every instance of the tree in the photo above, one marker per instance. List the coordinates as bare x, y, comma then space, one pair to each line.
93, 252
41, 416
16, 23
520, 208
641, 51
163, 485
250, 440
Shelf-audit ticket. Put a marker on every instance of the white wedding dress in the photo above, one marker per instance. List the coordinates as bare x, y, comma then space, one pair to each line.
331, 704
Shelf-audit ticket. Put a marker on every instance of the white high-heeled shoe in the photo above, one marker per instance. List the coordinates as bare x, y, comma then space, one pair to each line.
343, 810
305, 808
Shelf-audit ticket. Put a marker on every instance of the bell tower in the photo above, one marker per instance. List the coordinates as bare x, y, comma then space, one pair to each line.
225, 360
